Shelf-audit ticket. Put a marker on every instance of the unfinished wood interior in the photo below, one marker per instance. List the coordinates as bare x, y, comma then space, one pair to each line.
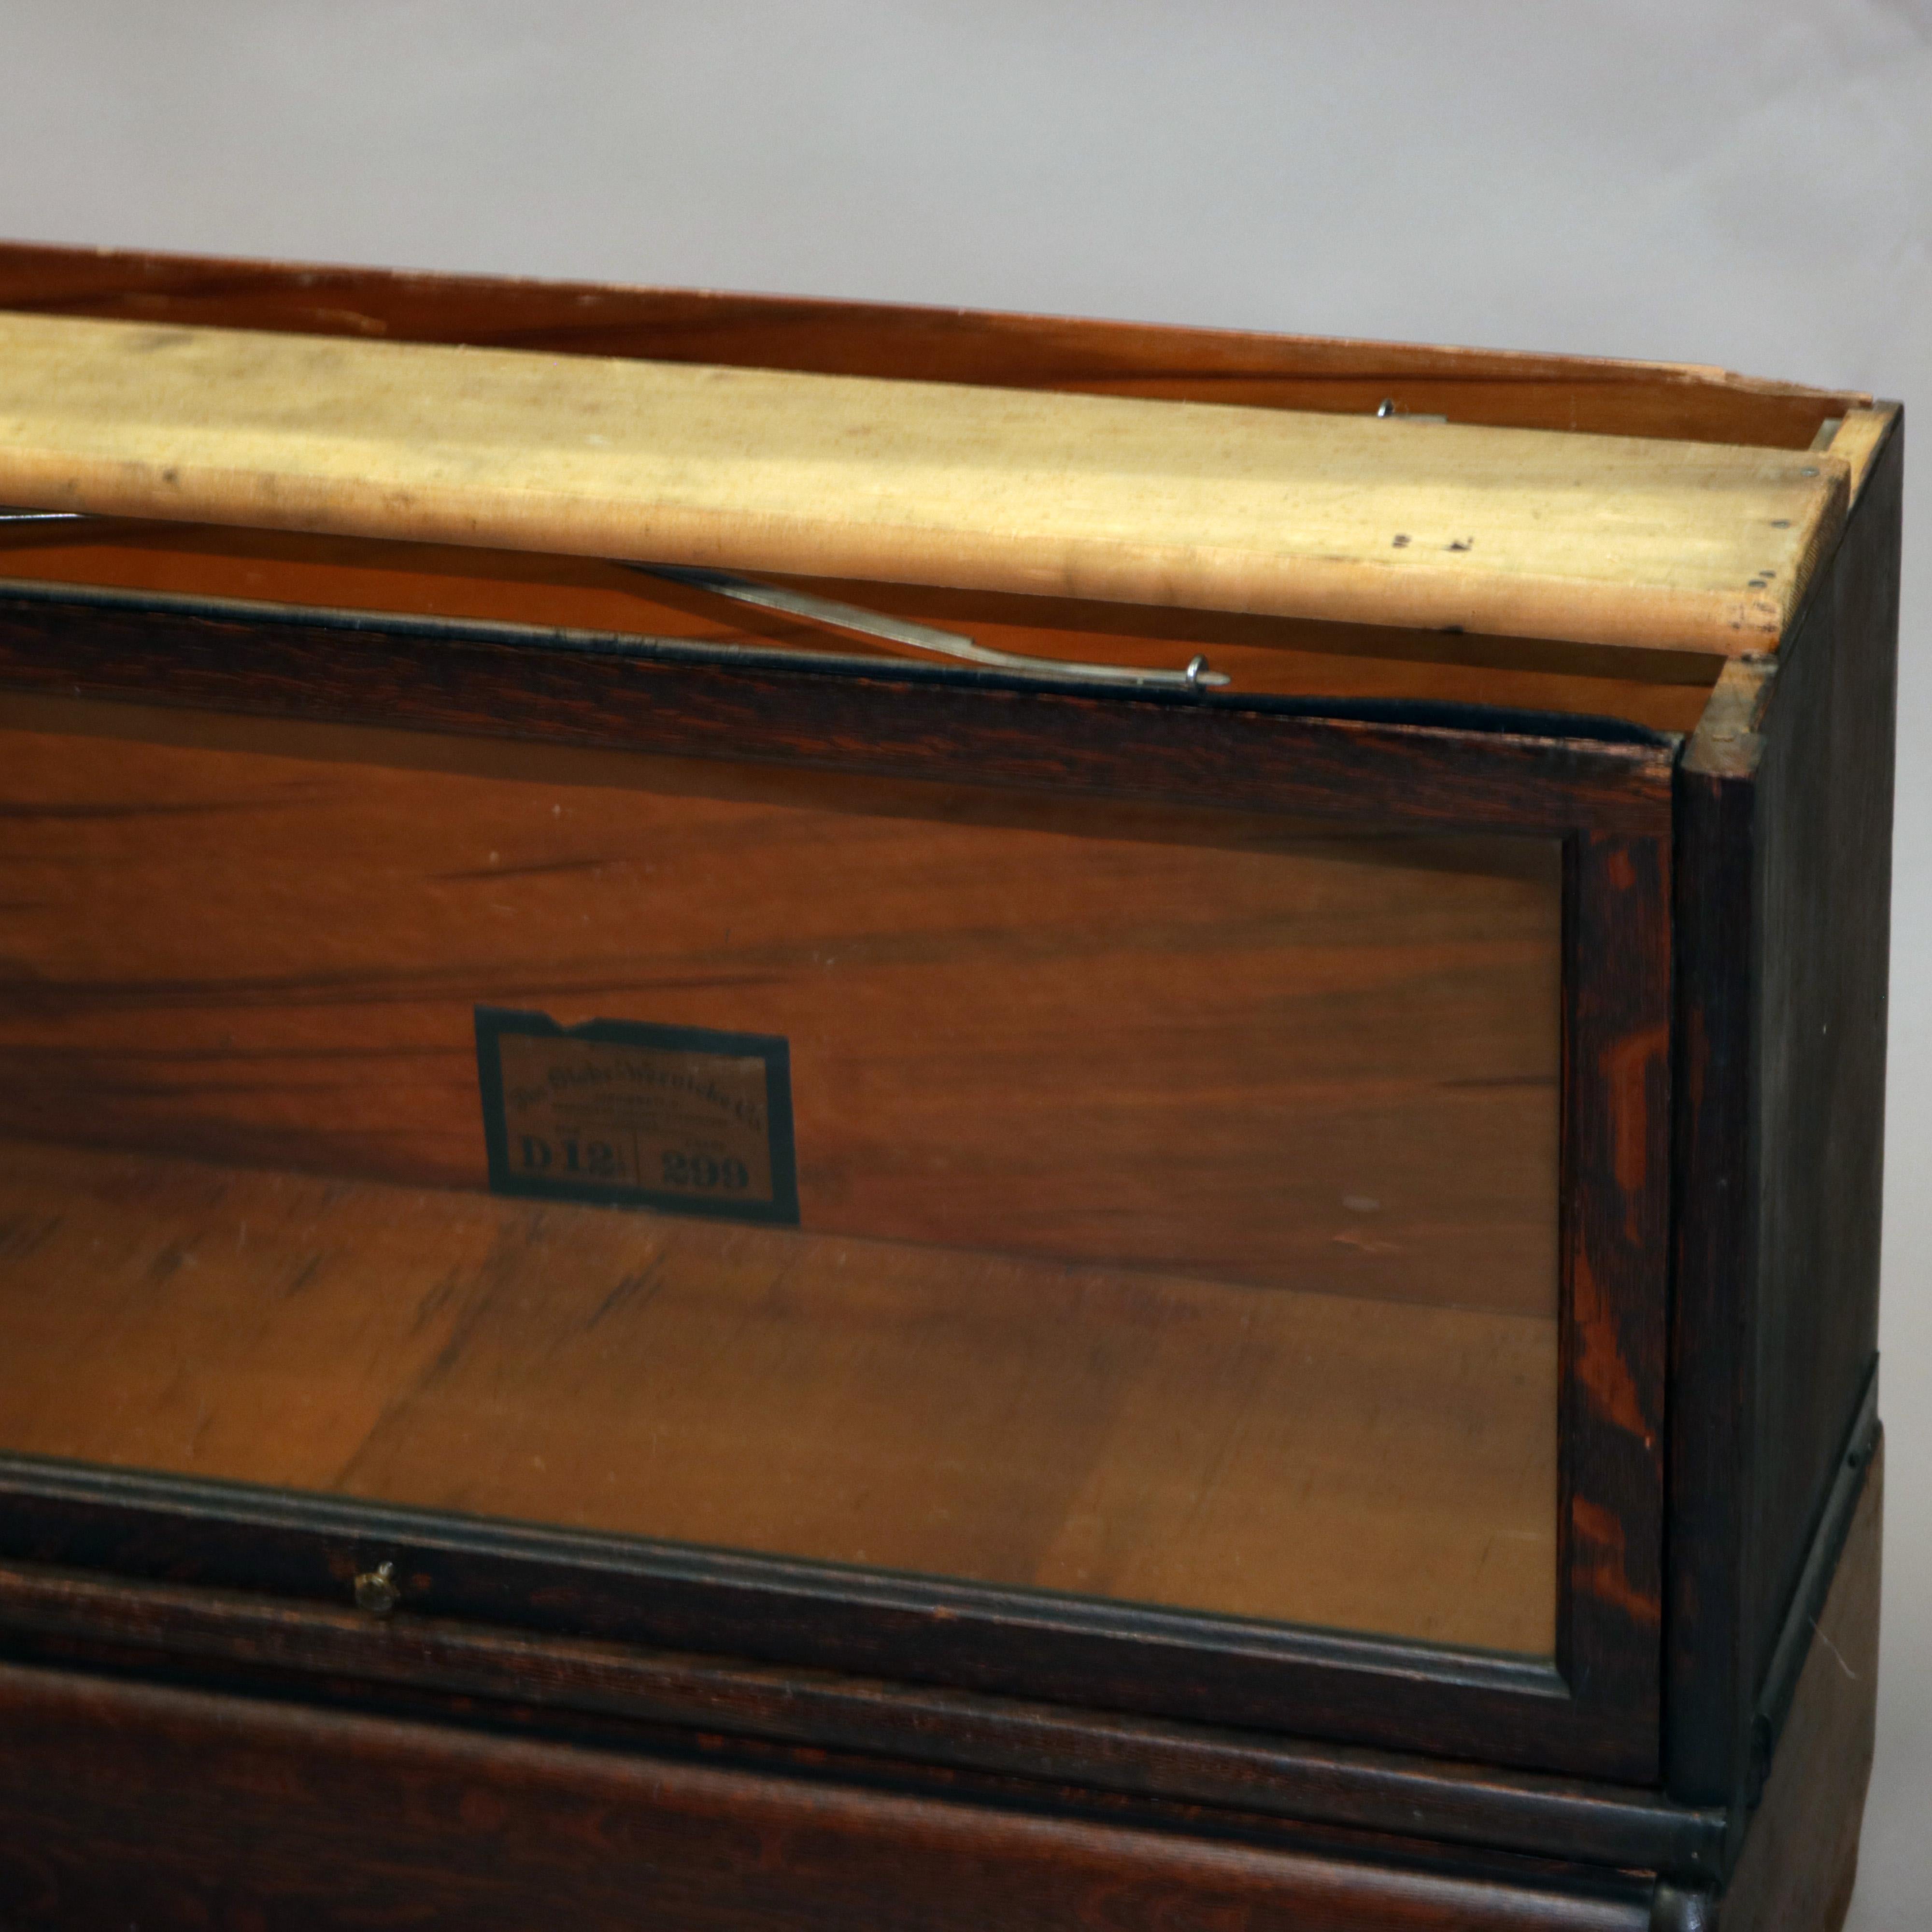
1664, 690
1261, 1453
1206, 1042
1592, 394
1596, 539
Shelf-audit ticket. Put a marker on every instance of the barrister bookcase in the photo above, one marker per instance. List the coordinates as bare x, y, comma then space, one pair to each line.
831, 1116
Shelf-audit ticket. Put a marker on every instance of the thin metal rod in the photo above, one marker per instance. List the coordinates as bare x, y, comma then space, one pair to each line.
922, 637
868, 623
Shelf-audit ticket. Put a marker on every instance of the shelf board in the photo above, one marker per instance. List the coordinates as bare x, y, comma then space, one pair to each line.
1373, 1466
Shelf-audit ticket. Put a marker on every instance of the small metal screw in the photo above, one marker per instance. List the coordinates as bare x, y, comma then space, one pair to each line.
1387, 407
376, 1591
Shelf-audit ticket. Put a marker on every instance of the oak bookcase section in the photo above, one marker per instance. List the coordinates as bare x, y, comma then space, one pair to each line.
1213, 1256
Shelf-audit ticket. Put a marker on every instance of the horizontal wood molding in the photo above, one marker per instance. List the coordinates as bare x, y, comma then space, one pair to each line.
1599, 540
1377, 663
118, 1797
557, 1685
1691, 402
1528, 775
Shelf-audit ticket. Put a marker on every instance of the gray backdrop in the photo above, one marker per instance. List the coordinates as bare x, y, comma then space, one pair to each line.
1744, 184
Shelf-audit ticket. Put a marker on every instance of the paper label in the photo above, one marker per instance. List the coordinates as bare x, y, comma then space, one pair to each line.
676, 1118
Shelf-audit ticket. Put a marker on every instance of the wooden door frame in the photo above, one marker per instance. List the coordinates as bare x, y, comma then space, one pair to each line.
1604, 791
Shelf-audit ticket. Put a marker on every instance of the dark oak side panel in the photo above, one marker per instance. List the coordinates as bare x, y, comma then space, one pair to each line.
121, 1801
1824, 858
1784, 877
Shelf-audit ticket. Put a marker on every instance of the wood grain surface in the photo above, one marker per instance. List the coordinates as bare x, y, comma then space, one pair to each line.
1664, 690
1859, 438
1604, 540
126, 1803
1212, 1043
926, 1735
1598, 394
1314, 1459
1800, 1860
1785, 818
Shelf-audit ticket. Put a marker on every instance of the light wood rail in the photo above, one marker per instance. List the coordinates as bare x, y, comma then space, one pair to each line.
1600, 540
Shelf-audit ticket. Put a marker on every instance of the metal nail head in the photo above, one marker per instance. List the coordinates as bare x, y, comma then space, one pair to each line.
376, 1590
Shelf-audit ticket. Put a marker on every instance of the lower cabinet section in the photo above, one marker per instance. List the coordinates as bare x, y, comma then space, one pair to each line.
130, 1804
127, 1802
